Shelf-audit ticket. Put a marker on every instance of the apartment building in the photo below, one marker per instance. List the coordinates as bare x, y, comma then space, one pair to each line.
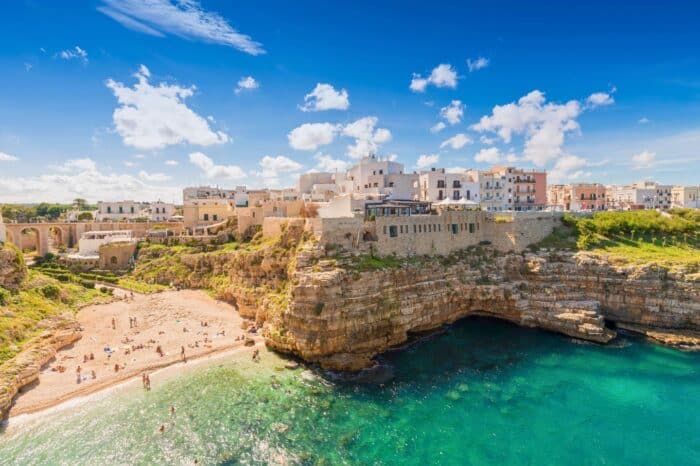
511, 188
640, 195
577, 197
373, 178
161, 211
120, 210
685, 196
438, 184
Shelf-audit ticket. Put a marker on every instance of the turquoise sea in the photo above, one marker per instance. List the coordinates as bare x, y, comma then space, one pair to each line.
484, 392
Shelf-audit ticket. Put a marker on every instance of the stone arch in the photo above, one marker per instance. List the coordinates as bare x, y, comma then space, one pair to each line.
30, 238
57, 237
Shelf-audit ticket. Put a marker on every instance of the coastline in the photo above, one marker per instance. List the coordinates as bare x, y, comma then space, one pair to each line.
110, 353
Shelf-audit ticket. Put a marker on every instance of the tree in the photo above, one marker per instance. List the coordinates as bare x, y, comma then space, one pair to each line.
82, 216
80, 203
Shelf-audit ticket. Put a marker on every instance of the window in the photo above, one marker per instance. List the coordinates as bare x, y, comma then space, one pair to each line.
456, 184
455, 195
471, 228
454, 229
440, 183
391, 184
206, 217
113, 259
393, 231
381, 172
215, 217
109, 210
132, 209
414, 228
468, 194
121, 210
440, 196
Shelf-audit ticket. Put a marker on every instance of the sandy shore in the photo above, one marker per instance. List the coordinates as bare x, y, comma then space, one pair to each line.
170, 320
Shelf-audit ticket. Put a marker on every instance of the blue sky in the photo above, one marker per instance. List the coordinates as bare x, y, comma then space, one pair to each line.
590, 91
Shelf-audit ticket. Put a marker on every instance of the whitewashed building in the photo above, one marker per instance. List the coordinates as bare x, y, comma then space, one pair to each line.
438, 184
120, 210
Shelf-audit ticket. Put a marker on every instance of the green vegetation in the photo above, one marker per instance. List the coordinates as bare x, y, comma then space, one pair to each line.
670, 239
40, 296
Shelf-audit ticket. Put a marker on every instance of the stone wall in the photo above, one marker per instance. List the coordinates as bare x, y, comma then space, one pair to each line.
117, 256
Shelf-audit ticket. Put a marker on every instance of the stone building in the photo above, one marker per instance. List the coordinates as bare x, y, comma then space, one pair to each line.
577, 197
373, 178
161, 211
317, 186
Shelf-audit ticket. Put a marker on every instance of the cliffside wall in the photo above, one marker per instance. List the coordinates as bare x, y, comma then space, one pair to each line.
341, 316
12, 268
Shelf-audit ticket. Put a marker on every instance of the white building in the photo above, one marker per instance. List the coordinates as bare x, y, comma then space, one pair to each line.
161, 211
90, 241
685, 196
317, 186
438, 184
373, 178
640, 195
120, 210
495, 190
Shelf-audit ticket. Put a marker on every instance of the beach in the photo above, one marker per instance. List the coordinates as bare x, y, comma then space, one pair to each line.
121, 341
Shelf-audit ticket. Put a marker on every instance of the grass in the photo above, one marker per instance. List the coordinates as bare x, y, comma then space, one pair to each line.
671, 240
140, 286
39, 297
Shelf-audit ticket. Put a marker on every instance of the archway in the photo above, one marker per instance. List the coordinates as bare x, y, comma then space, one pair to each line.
30, 241
58, 239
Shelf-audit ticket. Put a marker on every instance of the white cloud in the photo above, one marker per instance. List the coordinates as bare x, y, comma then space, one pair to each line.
367, 137
172, 163
644, 159
153, 117
392, 157
327, 163
568, 167
455, 170
7, 157
439, 126
512, 158
274, 167
183, 18
599, 99
487, 140
543, 124
130, 164
644, 121
453, 113
424, 161
489, 155
246, 83
82, 178
310, 136
477, 64
325, 97
76, 53
155, 177
457, 141
211, 170
442, 75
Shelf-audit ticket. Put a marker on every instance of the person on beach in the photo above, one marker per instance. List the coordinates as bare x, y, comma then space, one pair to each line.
172, 410
93, 375
116, 368
148, 382
159, 350
92, 356
182, 353
114, 324
162, 428
143, 380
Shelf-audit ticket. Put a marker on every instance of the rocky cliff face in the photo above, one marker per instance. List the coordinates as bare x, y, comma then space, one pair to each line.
341, 317
12, 269
24, 369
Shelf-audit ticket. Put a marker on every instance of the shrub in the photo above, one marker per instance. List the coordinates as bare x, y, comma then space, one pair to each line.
50, 291
4, 296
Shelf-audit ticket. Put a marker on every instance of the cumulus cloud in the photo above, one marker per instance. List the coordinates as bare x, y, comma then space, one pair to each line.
368, 138
487, 140
599, 99
211, 170
569, 167
442, 75
439, 126
82, 178
154, 177
171, 163
543, 124
325, 97
76, 53
7, 157
453, 112
153, 117
274, 167
426, 160
644, 159
183, 18
489, 155
327, 163
310, 136
246, 83
457, 141
643, 121
476, 65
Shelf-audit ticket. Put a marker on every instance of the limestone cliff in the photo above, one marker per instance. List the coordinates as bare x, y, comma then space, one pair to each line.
341, 316
24, 368
12, 268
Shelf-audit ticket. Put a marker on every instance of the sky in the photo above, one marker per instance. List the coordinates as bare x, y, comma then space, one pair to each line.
136, 99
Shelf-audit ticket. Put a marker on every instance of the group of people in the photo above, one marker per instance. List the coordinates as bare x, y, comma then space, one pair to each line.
132, 322
146, 381
80, 377
88, 357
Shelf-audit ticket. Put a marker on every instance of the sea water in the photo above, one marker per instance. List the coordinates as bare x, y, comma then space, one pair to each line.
484, 392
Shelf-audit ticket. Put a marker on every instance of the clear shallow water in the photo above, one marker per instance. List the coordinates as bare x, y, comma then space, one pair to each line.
484, 393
